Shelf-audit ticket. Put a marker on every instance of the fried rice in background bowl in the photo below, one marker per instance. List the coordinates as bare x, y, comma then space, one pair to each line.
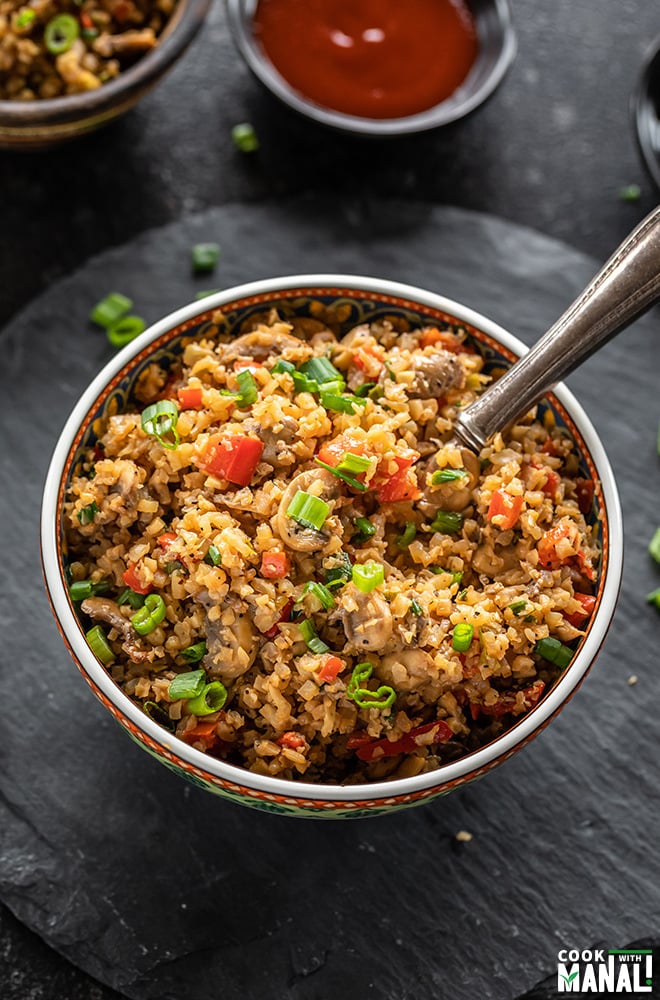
456, 632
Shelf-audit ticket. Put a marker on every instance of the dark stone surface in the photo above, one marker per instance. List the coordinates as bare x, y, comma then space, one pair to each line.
162, 891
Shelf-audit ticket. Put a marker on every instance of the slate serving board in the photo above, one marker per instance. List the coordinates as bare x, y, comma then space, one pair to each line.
163, 891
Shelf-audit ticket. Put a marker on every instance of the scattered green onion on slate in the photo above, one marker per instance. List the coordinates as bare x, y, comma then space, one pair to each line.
245, 138
461, 638
447, 521
247, 389
654, 597
213, 556
346, 476
82, 589
308, 510
160, 420
320, 592
99, 645
408, 536
87, 514
518, 607
416, 607
281, 366
25, 18
654, 545
188, 685
554, 651
205, 257
132, 598
150, 615
194, 653
109, 310
447, 476
60, 33
158, 714
367, 576
308, 633
211, 699
125, 330
339, 575
365, 530
631, 192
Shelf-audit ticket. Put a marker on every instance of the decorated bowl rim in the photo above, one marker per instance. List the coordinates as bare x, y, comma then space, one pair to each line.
477, 761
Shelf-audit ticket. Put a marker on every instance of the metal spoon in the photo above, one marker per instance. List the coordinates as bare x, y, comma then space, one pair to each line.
627, 285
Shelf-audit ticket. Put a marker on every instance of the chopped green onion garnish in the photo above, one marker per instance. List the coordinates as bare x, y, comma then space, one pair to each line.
205, 257
518, 607
25, 18
631, 192
381, 699
390, 373
308, 510
99, 645
321, 370
408, 536
654, 547
365, 530
367, 576
447, 521
361, 674
188, 685
338, 575
281, 366
353, 463
213, 556
364, 389
308, 633
158, 714
150, 614
60, 33
160, 419
82, 589
376, 393
87, 514
461, 637
110, 309
341, 404
555, 652
131, 597
125, 330
455, 577
245, 138
210, 700
415, 607
303, 384
346, 476
193, 654
322, 594
447, 476
247, 388
205, 295
175, 566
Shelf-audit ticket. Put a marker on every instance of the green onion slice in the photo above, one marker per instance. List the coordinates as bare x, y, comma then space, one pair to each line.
320, 592
195, 653
204, 257
341, 404
308, 633
340, 574
131, 597
211, 699
321, 370
365, 530
461, 637
99, 645
158, 714
353, 463
188, 685
408, 536
125, 330
308, 510
82, 589
447, 521
367, 576
150, 615
213, 556
87, 514
364, 389
302, 383
25, 18
518, 607
654, 546
174, 566
447, 476
281, 366
554, 651
245, 138
160, 420
346, 476
381, 699
60, 33
415, 607
247, 388
110, 309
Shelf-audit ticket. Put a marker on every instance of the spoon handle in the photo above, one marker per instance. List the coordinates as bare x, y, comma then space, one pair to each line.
627, 285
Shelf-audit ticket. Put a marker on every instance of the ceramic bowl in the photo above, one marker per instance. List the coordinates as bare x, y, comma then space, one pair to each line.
497, 47
38, 124
362, 299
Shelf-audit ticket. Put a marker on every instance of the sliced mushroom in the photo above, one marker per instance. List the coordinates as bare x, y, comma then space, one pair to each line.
276, 440
455, 495
231, 648
434, 374
128, 42
105, 610
406, 669
297, 536
368, 623
261, 344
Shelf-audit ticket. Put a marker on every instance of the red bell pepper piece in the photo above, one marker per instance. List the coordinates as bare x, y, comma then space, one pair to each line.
369, 750
446, 340
506, 508
402, 485
233, 457
584, 494
204, 732
330, 669
547, 547
166, 540
507, 702
132, 580
190, 397
285, 616
274, 565
588, 602
369, 359
292, 741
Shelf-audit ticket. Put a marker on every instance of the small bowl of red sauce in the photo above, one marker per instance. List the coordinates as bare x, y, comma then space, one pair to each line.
376, 67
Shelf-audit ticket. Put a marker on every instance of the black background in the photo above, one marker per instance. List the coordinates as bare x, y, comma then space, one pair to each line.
551, 150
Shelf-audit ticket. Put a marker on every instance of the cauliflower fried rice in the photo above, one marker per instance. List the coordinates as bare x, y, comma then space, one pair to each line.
279, 553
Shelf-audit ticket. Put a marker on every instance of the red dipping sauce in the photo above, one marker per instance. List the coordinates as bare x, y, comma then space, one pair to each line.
371, 58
